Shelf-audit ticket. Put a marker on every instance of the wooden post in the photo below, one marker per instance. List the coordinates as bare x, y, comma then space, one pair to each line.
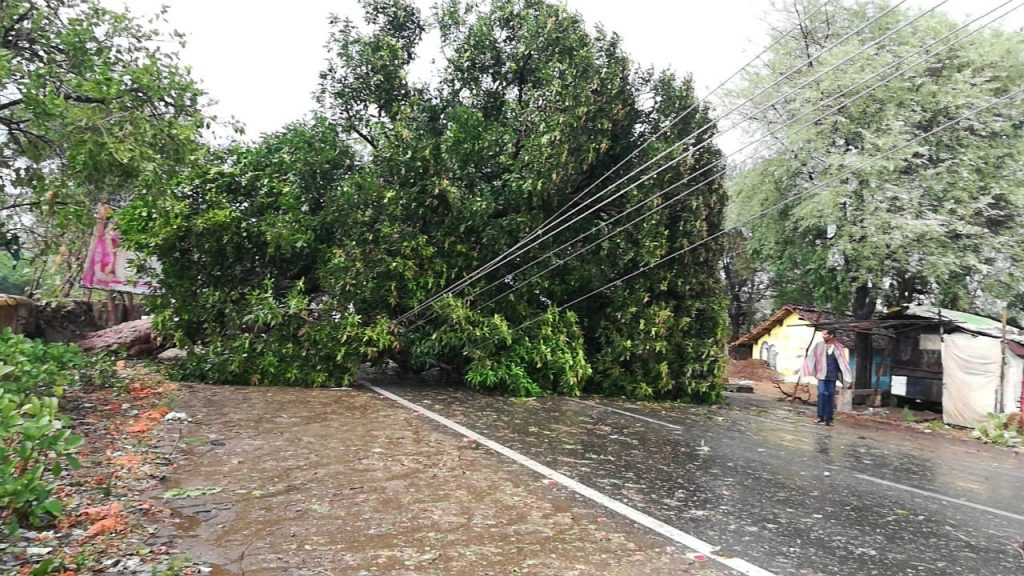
942, 352
844, 397
1002, 368
111, 310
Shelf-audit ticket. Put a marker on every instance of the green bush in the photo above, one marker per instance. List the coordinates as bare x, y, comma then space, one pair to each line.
908, 415
13, 280
34, 441
31, 366
1001, 429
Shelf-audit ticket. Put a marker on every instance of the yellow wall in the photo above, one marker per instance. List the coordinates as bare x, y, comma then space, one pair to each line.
790, 341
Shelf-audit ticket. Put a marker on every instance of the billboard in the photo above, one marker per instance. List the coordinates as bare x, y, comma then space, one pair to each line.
108, 266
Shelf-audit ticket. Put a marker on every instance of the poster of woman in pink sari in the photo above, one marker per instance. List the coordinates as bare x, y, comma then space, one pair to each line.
107, 266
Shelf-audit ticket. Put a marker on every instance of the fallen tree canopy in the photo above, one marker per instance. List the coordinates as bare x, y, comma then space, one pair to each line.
289, 259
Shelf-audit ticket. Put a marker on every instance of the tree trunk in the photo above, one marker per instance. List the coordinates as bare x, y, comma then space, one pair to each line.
737, 317
863, 309
738, 310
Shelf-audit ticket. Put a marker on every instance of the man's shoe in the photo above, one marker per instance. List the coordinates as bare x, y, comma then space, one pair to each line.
819, 421
828, 422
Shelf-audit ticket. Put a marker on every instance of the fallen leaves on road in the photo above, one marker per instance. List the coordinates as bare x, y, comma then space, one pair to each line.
129, 460
177, 493
107, 525
148, 420
100, 513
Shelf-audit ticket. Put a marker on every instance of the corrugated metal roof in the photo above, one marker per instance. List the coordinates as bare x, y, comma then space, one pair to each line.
962, 320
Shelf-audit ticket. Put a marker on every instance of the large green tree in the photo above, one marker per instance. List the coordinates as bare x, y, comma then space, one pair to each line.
93, 108
528, 108
939, 221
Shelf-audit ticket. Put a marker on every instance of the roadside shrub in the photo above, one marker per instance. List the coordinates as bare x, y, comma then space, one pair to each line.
908, 415
34, 441
1001, 429
31, 366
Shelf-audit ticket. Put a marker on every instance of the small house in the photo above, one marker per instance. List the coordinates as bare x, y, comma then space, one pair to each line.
784, 339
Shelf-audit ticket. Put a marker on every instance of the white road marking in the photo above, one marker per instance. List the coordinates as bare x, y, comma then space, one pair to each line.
675, 427
603, 407
674, 534
941, 497
862, 476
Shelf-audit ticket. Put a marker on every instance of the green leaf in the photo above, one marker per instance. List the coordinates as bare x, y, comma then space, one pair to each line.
52, 507
179, 493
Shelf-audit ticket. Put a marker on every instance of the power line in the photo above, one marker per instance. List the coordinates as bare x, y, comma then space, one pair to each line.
685, 193
721, 160
499, 260
505, 257
722, 172
692, 107
657, 135
692, 151
831, 180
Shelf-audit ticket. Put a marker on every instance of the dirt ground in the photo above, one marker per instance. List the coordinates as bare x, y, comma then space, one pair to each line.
765, 381
348, 483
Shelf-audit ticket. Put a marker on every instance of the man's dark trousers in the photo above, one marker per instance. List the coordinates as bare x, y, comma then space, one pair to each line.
826, 399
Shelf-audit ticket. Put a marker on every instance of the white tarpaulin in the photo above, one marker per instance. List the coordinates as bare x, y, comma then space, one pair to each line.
971, 371
1014, 373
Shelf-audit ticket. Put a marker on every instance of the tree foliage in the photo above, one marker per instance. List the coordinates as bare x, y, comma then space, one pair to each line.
400, 188
93, 108
939, 221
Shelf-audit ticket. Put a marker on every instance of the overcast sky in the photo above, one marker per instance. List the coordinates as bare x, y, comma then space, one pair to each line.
260, 58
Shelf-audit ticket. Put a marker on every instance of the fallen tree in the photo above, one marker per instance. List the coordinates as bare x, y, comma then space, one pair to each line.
289, 259
136, 338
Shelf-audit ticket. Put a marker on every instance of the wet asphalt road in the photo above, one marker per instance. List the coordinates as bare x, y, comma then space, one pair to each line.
753, 481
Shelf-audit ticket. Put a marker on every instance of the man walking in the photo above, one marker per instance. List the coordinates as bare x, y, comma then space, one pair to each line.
827, 363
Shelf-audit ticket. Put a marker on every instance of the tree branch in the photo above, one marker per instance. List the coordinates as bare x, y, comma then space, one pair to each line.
14, 24
14, 128
67, 94
795, 394
364, 137
34, 203
11, 104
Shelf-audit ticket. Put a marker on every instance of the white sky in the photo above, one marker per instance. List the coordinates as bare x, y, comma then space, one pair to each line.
259, 59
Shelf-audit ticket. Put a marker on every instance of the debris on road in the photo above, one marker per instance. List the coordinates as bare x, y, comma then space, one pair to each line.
176, 417
292, 496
